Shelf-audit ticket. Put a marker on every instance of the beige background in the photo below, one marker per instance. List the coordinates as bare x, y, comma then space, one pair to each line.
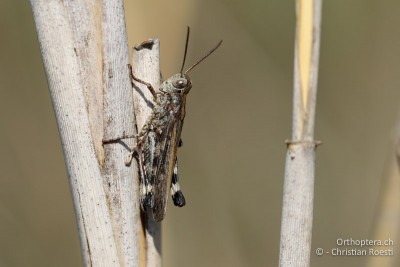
238, 116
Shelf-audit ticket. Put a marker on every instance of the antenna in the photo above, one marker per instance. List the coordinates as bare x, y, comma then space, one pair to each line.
204, 57
186, 47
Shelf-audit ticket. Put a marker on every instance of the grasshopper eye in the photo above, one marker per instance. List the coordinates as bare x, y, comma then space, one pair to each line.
180, 84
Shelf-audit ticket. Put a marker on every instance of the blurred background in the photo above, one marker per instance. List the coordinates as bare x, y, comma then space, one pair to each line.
238, 116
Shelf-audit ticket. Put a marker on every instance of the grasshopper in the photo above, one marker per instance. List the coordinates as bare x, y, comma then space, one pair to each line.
159, 138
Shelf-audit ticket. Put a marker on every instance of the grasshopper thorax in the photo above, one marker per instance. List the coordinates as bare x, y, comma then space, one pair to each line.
178, 84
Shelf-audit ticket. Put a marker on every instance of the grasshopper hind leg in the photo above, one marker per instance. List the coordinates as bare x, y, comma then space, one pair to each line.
176, 193
150, 157
146, 192
146, 188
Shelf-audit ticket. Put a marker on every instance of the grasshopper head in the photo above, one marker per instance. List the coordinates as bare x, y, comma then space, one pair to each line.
178, 84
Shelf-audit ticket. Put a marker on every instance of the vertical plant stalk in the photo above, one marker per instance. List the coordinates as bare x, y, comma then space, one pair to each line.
297, 210
85, 54
120, 181
146, 66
